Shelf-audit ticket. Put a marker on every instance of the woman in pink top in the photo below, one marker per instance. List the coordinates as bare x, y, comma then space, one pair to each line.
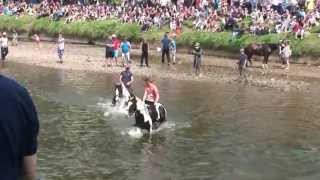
151, 97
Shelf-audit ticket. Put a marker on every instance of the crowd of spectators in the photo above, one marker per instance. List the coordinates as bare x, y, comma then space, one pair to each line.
252, 16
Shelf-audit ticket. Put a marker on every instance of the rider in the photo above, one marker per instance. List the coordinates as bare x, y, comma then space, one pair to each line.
151, 97
126, 77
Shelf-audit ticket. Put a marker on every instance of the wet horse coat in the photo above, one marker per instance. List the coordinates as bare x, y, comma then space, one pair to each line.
121, 96
143, 117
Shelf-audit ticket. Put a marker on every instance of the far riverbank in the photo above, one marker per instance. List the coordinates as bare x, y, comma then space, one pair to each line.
219, 70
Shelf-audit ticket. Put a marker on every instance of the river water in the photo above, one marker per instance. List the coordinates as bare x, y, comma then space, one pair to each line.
216, 131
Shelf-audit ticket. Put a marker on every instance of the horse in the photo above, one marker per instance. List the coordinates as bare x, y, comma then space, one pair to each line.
264, 50
121, 95
143, 114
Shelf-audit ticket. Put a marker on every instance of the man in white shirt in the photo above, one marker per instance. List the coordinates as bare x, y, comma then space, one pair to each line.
4, 46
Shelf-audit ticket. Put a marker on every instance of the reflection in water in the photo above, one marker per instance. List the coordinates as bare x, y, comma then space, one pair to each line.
219, 131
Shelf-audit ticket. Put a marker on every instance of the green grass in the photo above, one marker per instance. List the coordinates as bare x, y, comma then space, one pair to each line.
100, 30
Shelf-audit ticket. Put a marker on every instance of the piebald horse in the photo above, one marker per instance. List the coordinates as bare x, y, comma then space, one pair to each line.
143, 114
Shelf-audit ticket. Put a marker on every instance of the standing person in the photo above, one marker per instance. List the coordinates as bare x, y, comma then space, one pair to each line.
115, 46
19, 128
4, 47
151, 97
173, 49
144, 53
108, 53
197, 53
165, 48
36, 38
125, 50
126, 78
287, 54
281, 47
60, 48
242, 63
14, 38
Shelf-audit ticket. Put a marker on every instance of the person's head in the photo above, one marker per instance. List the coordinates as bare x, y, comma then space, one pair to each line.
147, 80
113, 36
60, 35
242, 51
127, 68
4, 34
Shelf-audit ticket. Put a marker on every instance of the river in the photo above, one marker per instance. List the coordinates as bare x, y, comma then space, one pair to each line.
215, 131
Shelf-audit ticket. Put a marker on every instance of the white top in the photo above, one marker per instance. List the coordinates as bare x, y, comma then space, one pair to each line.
286, 51
4, 42
61, 43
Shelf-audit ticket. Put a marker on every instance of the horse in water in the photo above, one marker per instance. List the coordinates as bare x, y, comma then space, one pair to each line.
143, 114
264, 50
121, 96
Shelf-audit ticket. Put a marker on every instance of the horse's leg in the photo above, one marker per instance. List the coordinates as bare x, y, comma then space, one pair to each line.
249, 60
266, 58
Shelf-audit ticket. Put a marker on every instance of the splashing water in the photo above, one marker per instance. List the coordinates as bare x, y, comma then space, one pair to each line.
133, 132
109, 109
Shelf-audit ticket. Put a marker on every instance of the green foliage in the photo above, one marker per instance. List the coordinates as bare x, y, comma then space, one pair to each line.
100, 30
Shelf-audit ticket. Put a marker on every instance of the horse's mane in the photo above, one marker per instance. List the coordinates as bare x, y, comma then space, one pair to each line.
140, 104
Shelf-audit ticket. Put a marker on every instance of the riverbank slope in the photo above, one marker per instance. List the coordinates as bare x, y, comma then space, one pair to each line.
91, 58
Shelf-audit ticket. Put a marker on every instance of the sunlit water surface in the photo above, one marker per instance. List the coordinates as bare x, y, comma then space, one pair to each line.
215, 131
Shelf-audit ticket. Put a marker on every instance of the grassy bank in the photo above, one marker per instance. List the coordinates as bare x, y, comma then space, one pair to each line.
100, 30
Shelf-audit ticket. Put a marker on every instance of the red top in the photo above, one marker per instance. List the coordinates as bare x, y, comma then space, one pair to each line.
152, 92
116, 43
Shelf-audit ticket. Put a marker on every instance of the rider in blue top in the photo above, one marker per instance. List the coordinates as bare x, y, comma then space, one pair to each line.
126, 77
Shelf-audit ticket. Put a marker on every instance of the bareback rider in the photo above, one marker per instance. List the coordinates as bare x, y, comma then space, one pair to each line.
151, 97
126, 77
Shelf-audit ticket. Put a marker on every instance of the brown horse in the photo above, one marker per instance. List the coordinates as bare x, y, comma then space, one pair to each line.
264, 50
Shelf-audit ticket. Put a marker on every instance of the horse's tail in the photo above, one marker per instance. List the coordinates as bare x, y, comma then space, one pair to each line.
165, 112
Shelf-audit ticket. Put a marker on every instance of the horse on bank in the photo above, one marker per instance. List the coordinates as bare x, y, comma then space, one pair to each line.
143, 114
264, 50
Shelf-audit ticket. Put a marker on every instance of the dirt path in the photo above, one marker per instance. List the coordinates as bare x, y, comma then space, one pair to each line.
91, 58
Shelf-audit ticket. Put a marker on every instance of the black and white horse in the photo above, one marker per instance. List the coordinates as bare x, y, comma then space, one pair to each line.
121, 96
143, 114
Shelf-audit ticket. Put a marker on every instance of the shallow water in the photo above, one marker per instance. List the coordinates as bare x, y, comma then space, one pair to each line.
216, 131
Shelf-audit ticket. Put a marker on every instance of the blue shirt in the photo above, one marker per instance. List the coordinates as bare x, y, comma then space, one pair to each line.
173, 44
126, 76
19, 126
125, 47
165, 43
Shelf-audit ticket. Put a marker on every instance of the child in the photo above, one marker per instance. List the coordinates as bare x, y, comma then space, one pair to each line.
60, 48
36, 38
15, 38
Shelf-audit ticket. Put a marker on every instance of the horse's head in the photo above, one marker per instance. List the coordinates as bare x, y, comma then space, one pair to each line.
132, 104
117, 94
